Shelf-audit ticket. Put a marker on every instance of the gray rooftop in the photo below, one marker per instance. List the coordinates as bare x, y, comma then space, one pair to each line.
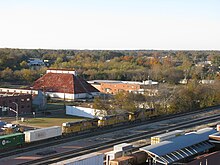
180, 142
169, 133
191, 143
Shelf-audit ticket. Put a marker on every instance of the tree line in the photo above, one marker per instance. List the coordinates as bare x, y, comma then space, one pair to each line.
134, 65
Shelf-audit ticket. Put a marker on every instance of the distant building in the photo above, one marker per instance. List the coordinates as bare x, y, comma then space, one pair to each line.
38, 99
204, 63
183, 81
113, 86
65, 84
35, 62
13, 102
207, 81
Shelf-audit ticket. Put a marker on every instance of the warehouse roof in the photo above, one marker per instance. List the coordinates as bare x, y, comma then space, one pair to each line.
169, 133
63, 83
147, 82
181, 147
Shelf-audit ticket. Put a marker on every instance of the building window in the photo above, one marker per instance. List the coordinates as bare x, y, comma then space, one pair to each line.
22, 100
28, 99
107, 90
4, 103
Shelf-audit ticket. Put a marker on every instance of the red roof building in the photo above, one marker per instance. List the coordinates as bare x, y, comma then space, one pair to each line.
65, 84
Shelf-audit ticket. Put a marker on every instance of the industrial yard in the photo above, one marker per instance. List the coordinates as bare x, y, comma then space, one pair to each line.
102, 139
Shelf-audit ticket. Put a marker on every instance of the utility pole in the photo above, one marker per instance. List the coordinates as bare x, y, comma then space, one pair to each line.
44, 100
16, 110
64, 98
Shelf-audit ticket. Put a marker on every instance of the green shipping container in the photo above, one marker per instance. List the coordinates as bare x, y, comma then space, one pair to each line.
11, 140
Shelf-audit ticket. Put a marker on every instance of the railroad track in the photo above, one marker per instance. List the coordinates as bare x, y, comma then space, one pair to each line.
44, 144
128, 139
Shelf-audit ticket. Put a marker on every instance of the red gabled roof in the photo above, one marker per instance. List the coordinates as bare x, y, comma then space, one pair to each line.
63, 83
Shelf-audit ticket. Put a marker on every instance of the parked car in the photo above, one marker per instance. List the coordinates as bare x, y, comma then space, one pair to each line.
2, 123
6, 126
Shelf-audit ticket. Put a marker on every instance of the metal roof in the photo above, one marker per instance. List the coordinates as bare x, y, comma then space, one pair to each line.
169, 134
147, 82
185, 152
181, 147
63, 83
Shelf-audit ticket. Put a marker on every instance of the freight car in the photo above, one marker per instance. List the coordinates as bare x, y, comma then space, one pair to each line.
113, 120
141, 115
79, 126
18, 139
106, 121
12, 140
42, 134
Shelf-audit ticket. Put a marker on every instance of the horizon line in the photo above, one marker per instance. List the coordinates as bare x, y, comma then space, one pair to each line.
99, 49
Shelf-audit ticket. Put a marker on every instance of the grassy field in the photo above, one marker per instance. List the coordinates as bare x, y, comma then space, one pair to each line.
56, 118
48, 121
54, 106
58, 105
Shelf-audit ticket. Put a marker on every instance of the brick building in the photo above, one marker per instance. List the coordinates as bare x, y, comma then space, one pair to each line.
38, 99
113, 87
23, 101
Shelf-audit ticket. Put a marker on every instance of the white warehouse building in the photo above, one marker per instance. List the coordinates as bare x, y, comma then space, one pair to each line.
65, 84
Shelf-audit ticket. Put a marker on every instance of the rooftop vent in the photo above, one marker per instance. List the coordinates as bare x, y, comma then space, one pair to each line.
62, 71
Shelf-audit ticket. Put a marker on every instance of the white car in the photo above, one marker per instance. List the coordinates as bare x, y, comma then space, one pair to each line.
9, 126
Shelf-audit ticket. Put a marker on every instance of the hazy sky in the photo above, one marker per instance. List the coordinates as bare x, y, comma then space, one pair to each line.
110, 24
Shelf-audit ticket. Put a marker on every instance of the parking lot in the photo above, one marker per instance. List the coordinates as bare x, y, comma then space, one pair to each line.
10, 120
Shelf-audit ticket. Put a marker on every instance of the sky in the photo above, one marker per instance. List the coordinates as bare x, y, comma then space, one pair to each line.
110, 24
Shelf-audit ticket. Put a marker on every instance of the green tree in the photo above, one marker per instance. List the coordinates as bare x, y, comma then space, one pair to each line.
126, 101
7, 74
102, 105
173, 75
24, 64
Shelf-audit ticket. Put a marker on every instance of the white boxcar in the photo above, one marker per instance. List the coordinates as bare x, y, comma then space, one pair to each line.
123, 147
42, 133
89, 159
